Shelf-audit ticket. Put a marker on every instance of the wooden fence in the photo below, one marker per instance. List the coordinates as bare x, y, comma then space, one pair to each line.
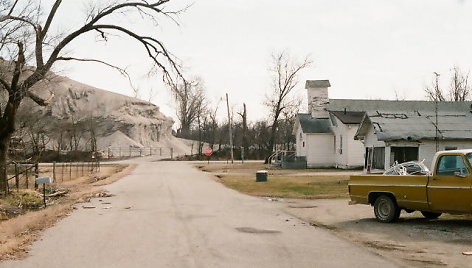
120, 152
23, 175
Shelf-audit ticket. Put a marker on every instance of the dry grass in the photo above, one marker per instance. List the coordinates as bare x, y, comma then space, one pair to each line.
290, 187
17, 234
281, 183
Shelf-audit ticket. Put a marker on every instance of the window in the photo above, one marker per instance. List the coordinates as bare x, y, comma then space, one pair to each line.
403, 154
450, 164
340, 144
335, 143
303, 144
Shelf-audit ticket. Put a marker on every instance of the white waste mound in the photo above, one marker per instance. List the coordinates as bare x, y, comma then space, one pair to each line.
112, 119
117, 139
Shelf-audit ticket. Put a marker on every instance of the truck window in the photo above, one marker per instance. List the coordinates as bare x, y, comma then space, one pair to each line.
449, 164
469, 157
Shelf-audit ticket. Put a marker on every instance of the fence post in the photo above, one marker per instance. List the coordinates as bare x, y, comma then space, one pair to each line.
150, 150
70, 170
83, 163
17, 178
108, 152
76, 169
171, 153
160, 151
54, 170
36, 170
27, 176
4, 184
62, 171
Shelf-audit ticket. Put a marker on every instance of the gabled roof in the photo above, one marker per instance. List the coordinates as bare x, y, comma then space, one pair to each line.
317, 83
314, 125
417, 125
348, 117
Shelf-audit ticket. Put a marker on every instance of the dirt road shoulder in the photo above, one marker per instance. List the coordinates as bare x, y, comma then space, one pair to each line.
18, 233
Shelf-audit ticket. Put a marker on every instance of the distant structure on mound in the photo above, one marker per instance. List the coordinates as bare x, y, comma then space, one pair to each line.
118, 120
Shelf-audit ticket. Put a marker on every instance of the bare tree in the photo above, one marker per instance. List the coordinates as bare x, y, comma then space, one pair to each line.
284, 72
30, 49
459, 87
244, 138
190, 98
32, 129
212, 125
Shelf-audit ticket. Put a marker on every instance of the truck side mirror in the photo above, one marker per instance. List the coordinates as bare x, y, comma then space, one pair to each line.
459, 174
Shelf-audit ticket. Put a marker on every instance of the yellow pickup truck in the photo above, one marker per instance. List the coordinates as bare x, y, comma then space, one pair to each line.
447, 189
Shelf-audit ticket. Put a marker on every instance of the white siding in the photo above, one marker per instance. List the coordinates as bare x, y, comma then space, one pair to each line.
355, 149
300, 150
320, 151
371, 139
352, 150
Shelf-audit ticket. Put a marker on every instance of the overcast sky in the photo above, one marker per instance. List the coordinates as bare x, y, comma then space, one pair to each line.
367, 49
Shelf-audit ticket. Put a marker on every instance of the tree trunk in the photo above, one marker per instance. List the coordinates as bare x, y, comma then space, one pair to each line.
245, 142
7, 127
4, 144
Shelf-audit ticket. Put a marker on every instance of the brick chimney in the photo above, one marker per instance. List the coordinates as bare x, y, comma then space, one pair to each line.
318, 97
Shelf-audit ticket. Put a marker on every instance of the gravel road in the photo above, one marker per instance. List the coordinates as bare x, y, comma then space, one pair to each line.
169, 214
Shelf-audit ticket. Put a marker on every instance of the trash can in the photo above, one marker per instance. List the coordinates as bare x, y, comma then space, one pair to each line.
261, 175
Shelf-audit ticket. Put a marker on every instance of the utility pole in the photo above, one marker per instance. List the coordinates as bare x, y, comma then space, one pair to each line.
230, 130
436, 102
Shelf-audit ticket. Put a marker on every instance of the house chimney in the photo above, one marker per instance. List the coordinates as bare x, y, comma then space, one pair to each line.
318, 97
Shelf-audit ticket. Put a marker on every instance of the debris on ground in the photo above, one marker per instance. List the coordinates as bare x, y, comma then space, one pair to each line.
103, 194
107, 207
467, 253
58, 193
88, 207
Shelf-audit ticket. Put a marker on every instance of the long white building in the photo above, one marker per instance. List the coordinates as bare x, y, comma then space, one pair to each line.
373, 134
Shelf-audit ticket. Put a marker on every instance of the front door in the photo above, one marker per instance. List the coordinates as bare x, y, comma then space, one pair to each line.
449, 188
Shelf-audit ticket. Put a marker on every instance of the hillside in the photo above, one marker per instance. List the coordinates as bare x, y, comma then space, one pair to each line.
116, 120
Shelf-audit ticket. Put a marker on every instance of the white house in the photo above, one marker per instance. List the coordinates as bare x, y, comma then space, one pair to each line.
414, 130
325, 135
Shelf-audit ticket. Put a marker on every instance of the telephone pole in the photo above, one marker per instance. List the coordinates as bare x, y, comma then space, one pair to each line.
436, 103
230, 130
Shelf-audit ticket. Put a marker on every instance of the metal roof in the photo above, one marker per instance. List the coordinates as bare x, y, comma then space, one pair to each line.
314, 125
396, 106
317, 83
348, 117
452, 125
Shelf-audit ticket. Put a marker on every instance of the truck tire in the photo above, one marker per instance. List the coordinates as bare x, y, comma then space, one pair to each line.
431, 215
386, 209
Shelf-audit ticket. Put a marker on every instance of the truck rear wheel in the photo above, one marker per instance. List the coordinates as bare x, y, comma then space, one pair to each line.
386, 209
431, 215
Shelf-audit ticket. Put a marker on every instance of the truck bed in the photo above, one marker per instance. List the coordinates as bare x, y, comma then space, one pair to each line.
410, 190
